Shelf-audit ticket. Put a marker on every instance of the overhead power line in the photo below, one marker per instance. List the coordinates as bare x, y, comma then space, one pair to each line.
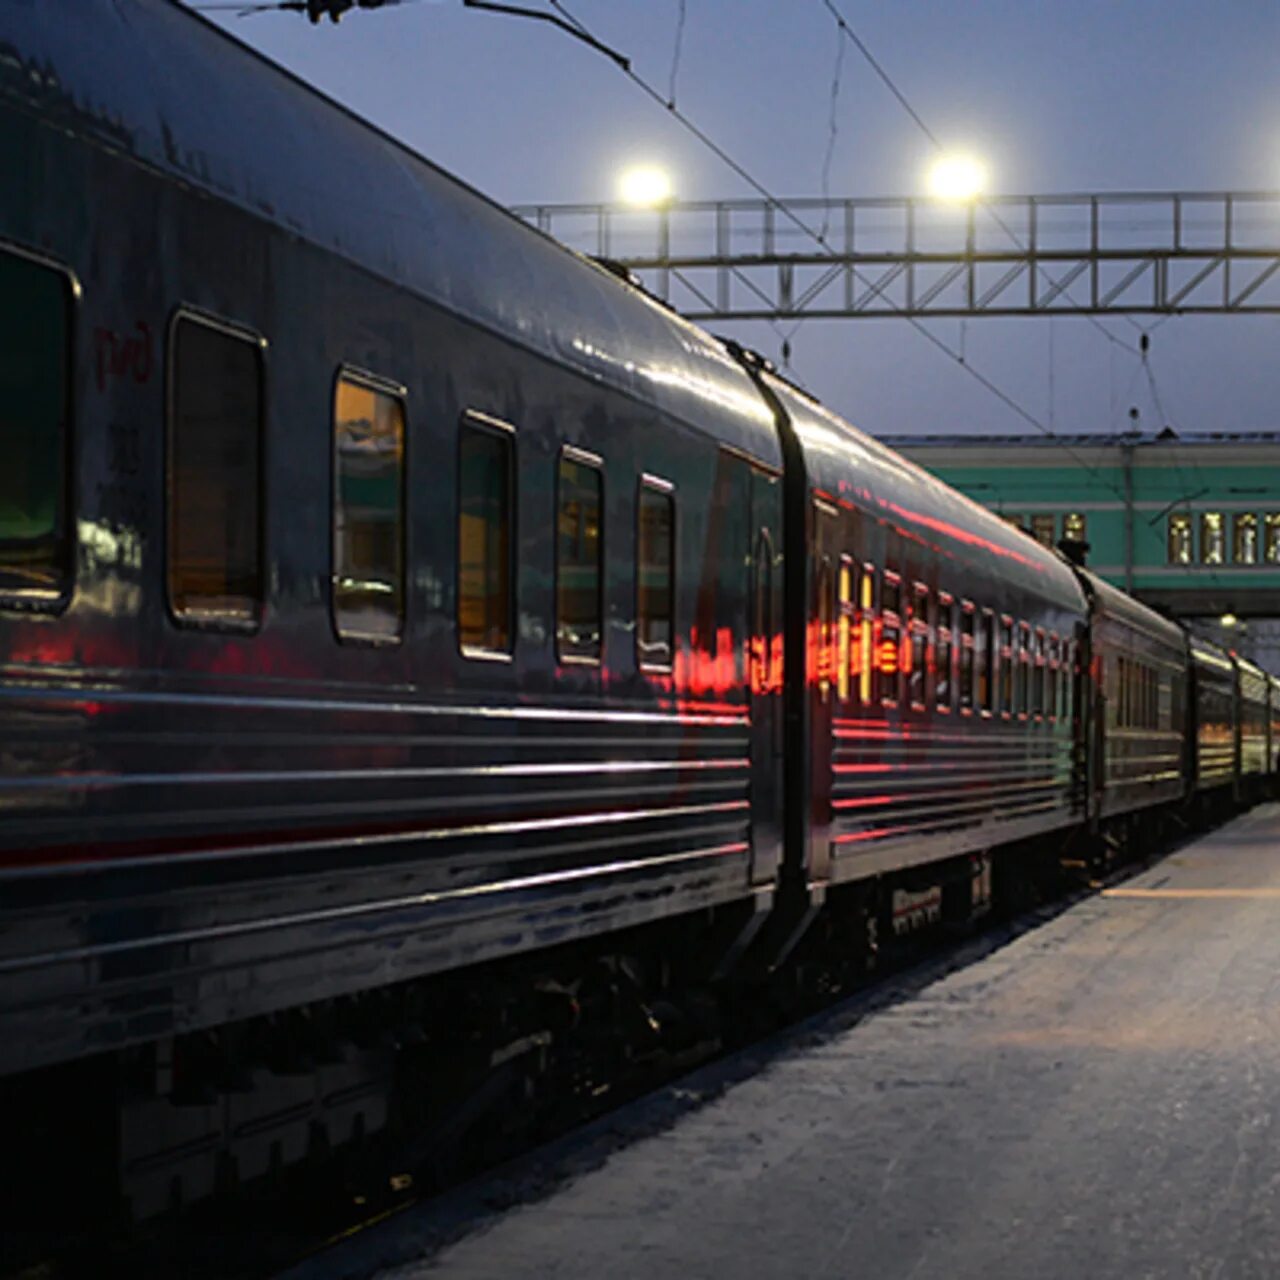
791, 216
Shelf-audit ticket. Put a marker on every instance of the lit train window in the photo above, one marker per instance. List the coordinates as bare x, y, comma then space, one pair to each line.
215, 473
866, 633
966, 656
889, 655
918, 671
844, 629
486, 501
368, 509
987, 663
942, 659
1022, 693
1006, 665
824, 638
35, 413
1074, 526
655, 575
579, 546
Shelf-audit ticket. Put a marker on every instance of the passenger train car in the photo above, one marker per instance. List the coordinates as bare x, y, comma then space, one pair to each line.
387, 591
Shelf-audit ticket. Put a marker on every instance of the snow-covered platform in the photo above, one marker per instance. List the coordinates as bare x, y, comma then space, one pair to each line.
1098, 1098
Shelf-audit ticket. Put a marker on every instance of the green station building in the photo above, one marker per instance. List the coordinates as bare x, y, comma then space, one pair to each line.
1188, 523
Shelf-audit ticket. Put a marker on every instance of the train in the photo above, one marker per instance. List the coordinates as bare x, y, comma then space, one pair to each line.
394, 602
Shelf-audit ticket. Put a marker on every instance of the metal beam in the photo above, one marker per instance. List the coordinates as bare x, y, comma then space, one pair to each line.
1166, 253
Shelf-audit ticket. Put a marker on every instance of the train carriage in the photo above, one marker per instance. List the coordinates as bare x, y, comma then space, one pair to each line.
938, 693
359, 534
1214, 753
1140, 672
1252, 725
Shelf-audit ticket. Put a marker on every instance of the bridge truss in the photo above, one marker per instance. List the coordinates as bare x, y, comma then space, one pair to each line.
1183, 253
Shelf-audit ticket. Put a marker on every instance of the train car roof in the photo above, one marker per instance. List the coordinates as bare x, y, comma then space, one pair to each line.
1209, 654
1114, 603
852, 468
210, 113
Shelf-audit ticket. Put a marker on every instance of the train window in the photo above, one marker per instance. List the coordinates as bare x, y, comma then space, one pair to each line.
35, 421
889, 657
1179, 549
1053, 676
1042, 529
1212, 537
1271, 537
1006, 665
825, 645
486, 499
1244, 540
987, 662
918, 670
845, 623
942, 654
368, 509
1037, 674
966, 656
655, 575
866, 633
1022, 699
1068, 678
579, 546
214, 474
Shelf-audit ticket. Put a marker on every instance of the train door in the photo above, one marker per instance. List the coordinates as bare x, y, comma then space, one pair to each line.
764, 676
820, 680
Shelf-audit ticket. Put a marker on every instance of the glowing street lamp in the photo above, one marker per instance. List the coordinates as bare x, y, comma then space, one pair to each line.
645, 186
957, 178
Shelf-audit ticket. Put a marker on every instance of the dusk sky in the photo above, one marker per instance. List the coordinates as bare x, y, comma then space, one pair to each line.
1128, 95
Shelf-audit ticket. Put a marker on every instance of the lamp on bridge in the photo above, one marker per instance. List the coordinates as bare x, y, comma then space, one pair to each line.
957, 178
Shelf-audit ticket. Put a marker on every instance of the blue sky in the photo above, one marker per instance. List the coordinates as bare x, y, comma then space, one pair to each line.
1057, 96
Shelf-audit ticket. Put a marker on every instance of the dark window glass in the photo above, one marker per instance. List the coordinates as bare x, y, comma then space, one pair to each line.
966, 659
987, 667
35, 362
215, 433
942, 657
486, 466
919, 655
578, 560
368, 511
1021, 698
655, 578
1006, 665
1037, 674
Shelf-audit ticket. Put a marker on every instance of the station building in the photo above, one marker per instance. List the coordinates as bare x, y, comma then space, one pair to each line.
1188, 523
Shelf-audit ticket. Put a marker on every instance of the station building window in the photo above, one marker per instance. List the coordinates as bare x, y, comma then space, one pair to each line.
486, 498
655, 575
1042, 529
1180, 550
215, 473
1271, 537
1074, 526
579, 508
1013, 518
35, 411
1212, 537
1244, 538
368, 510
